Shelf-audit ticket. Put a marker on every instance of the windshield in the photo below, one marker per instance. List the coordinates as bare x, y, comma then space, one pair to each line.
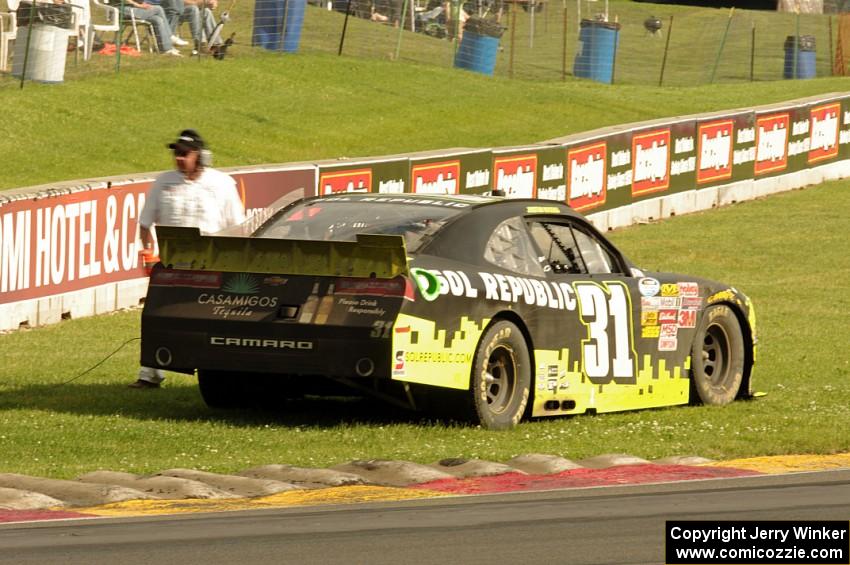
341, 220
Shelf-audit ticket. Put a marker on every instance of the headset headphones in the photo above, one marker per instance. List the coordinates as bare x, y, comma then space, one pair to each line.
205, 158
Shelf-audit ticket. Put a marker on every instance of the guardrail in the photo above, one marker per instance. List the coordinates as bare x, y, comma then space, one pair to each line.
70, 250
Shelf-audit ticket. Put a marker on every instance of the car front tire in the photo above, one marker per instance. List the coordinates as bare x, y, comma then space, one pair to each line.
717, 357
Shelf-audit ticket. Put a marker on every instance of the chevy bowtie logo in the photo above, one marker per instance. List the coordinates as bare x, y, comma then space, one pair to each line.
261, 343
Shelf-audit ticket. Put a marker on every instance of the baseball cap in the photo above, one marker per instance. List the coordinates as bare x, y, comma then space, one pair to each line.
188, 139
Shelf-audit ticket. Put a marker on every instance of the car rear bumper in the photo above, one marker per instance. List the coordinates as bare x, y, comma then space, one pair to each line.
183, 346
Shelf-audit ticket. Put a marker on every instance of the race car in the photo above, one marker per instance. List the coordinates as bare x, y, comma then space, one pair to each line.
500, 308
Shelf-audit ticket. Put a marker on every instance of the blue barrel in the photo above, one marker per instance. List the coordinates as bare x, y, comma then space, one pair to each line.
806, 57
273, 17
477, 53
599, 42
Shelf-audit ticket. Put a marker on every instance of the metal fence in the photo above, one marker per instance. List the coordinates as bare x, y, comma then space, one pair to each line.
541, 40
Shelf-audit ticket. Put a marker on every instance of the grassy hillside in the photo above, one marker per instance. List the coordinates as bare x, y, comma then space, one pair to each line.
270, 108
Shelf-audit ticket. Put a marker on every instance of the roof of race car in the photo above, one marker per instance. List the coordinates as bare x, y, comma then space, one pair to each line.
472, 201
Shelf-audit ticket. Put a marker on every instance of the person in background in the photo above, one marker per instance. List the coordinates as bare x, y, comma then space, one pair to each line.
192, 195
156, 16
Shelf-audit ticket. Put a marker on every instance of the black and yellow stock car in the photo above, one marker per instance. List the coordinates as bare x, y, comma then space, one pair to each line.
514, 307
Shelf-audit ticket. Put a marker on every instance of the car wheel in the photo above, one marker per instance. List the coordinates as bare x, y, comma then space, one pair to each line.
501, 377
717, 357
220, 389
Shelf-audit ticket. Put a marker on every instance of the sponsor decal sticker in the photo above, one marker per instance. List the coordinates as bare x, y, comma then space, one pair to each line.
194, 279
398, 364
649, 318
650, 332
670, 289
275, 281
687, 318
371, 287
667, 344
436, 178
669, 330
824, 132
691, 302
429, 286
242, 283
650, 303
648, 287
668, 316
669, 303
355, 180
651, 162
261, 343
516, 176
587, 170
689, 289
772, 143
542, 210
714, 156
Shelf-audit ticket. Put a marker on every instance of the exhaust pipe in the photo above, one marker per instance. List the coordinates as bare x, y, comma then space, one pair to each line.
364, 367
163, 357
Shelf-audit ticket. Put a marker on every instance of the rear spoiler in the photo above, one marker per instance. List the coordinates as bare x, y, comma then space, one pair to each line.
372, 255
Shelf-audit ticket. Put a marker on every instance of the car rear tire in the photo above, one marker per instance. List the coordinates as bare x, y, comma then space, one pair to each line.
221, 389
717, 357
501, 376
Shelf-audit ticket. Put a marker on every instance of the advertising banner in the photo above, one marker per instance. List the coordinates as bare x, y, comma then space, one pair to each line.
824, 126
798, 140
587, 170
844, 134
725, 149
515, 172
384, 176
261, 188
552, 173
452, 173
773, 135
618, 184
651, 155
683, 158
69, 242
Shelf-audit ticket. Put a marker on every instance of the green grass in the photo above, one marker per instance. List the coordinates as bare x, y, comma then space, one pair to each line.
785, 251
260, 107
273, 109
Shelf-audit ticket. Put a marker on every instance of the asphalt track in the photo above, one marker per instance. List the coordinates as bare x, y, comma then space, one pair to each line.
610, 525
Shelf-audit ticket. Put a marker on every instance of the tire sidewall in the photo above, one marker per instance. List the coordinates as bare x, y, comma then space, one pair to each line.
502, 334
705, 391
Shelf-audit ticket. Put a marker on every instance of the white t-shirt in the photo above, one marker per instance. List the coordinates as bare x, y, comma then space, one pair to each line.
209, 202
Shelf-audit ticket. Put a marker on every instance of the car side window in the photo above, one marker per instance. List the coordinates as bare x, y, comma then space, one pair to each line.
568, 249
510, 248
596, 258
560, 251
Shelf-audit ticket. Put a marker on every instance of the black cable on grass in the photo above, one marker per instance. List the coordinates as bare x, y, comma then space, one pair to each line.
99, 363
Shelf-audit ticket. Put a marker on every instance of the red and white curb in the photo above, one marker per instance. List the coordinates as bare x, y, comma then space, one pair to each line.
276, 486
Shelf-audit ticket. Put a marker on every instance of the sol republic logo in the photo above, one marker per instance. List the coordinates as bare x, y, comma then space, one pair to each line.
242, 284
261, 343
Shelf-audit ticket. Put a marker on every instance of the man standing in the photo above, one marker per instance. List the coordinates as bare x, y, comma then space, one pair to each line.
193, 195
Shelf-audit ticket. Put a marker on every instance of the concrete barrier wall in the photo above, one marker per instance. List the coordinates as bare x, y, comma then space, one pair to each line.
69, 250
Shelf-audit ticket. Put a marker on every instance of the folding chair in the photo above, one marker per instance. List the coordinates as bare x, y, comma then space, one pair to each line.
133, 25
8, 33
112, 24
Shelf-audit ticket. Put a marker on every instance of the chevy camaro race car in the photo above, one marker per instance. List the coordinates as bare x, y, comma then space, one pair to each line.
497, 307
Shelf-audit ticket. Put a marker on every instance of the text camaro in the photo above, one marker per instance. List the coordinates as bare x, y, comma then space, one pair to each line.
512, 308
